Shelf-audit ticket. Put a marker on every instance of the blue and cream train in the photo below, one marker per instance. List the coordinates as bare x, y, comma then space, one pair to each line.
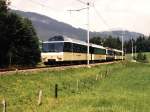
60, 49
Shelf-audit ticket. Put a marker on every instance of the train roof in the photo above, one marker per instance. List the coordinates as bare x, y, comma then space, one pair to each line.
64, 39
97, 46
108, 48
118, 50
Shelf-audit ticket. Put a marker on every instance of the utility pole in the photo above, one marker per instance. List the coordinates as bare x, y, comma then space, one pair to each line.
88, 26
88, 33
132, 47
122, 44
135, 51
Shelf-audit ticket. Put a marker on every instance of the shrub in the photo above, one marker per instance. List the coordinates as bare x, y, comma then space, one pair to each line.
141, 57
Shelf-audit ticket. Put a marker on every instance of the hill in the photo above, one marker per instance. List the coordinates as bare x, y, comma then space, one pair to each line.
47, 27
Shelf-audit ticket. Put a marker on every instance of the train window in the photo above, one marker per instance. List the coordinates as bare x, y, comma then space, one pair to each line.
118, 53
99, 51
83, 49
91, 50
53, 47
45, 47
68, 47
79, 48
110, 52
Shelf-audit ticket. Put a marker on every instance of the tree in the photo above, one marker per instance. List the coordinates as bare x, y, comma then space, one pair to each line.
142, 44
19, 44
139, 43
4, 6
141, 57
3, 39
107, 42
96, 40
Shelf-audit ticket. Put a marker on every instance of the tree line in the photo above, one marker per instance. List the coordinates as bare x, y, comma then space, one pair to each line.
19, 44
141, 44
107, 42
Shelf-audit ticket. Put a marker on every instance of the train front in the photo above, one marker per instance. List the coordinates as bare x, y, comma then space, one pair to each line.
52, 52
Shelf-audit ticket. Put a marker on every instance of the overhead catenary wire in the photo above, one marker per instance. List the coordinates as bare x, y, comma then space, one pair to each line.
42, 5
102, 19
88, 32
111, 32
97, 13
82, 2
107, 25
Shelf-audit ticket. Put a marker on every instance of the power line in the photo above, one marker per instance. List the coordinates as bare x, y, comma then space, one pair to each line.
42, 5
86, 3
88, 32
81, 2
77, 9
103, 20
101, 17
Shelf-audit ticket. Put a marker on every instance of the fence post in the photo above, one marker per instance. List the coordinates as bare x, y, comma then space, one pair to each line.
106, 73
16, 71
40, 98
56, 90
77, 85
96, 77
4, 105
101, 76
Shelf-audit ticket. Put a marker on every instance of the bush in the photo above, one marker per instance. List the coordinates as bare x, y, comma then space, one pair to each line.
141, 57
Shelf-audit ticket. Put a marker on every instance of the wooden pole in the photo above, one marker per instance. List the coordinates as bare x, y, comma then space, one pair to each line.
96, 77
4, 105
77, 85
40, 98
106, 73
56, 90
101, 76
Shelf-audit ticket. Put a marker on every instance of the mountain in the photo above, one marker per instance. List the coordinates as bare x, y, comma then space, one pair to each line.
119, 33
47, 27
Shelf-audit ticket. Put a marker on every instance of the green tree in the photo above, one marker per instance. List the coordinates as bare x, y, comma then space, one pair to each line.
19, 44
3, 6
3, 39
107, 42
141, 57
97, 40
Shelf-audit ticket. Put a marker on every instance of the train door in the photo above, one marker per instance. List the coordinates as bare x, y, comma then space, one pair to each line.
92, 53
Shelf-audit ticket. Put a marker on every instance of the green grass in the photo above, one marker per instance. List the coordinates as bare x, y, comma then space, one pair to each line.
124, 88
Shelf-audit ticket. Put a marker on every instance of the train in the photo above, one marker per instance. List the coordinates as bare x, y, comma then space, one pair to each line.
63, 49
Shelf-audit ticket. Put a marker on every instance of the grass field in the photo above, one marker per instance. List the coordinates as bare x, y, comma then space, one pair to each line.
121, 87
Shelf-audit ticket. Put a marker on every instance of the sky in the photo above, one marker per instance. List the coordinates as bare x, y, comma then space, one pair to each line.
105, 15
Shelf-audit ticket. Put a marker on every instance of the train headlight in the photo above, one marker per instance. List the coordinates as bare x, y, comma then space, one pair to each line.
44, 59
59, 58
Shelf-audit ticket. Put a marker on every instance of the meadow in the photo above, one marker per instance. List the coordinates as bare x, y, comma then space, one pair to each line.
118, 87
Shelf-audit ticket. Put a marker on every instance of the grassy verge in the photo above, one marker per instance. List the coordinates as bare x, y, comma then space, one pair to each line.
121, 87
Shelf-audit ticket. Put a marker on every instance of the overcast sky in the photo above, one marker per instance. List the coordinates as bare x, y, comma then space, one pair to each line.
133, 15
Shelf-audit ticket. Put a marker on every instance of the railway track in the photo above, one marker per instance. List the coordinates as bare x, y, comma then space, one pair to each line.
46, 68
